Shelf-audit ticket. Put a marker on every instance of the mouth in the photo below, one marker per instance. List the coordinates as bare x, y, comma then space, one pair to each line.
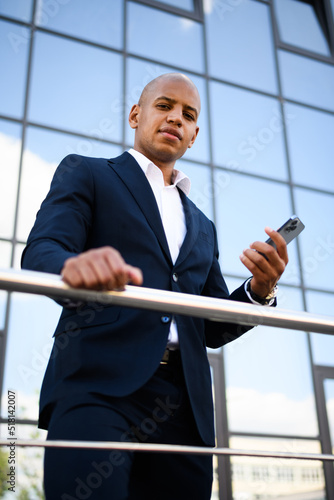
171, 133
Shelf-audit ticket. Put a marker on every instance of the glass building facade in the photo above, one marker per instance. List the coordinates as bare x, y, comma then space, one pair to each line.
70, 71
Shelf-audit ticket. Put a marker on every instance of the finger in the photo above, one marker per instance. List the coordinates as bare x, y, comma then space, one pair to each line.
117, 269
255, 260
76, 272
135, 275
279, 242
71, 275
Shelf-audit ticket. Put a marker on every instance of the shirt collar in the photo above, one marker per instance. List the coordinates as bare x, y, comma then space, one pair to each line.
179, 179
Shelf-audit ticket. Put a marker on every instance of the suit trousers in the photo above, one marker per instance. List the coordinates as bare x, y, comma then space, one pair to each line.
159, 412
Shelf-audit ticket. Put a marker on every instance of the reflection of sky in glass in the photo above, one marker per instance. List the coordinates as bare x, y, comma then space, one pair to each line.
19, 9
306, 80
310, 135
201, 185
24, 368
271, 386
247, 131
244, 206
299, 25
100, 21
5, 253
14, 43
75, 87
139, 73
317, 240
240, 43
44, 151
5, 257
322, 345
10, 147
3, 304
165, 37
329, 393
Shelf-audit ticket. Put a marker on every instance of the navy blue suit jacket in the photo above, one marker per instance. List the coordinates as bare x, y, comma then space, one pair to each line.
114, 350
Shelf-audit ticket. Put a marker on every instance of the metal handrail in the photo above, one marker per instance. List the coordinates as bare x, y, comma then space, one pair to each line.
168, 302
163, 448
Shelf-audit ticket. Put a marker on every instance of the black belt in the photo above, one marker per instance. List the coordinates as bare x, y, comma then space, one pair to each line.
171, 356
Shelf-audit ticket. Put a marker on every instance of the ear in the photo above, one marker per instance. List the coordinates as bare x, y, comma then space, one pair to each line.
133, 116
193, 137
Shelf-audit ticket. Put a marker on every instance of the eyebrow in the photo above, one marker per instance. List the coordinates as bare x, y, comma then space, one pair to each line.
173, 101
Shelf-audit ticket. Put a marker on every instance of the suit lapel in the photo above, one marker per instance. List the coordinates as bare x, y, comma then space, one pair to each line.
191, 214
134, 178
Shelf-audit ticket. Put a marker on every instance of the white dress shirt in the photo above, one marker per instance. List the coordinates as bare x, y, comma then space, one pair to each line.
171, 212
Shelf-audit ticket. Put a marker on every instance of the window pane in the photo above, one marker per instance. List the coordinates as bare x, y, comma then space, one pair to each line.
20, 9
322, 345
201, 185
3, 305
5, 254
18, 250
31, 325
247, 131
43, 152
5, 258
10, 147
100, 21
240, 43
298, 25
14, 43
310, 135
306, 80
183, 48
244, 206
269, 383
272, 478
75, 87
139, 73
317, 240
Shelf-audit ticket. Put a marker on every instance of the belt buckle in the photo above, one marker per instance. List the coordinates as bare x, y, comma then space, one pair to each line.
165, 357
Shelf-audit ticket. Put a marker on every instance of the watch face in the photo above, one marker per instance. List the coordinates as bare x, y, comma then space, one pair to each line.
273, 293
268, 300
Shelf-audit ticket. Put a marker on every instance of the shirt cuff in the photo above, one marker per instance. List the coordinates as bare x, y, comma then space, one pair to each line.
271, 302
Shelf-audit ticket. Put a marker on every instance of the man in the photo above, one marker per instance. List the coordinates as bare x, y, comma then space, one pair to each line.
126, 374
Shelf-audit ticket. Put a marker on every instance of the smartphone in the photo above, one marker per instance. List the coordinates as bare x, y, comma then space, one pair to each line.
289, 230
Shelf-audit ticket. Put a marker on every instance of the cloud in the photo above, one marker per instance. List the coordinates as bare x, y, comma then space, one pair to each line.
35, 182
274, 413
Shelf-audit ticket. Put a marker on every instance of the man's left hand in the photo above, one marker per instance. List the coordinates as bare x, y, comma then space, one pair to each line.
265, 262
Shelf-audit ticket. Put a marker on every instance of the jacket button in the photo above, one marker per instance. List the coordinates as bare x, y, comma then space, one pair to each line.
175, 277
165, 319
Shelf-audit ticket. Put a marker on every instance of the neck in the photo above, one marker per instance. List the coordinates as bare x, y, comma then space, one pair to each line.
166, 167
167, 174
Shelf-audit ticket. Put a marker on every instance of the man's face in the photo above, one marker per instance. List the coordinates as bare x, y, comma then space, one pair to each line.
166, 120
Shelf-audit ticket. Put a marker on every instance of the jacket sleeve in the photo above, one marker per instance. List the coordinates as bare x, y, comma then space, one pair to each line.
63, 222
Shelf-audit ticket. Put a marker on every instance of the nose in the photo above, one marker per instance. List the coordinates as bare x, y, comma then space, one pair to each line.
175, 116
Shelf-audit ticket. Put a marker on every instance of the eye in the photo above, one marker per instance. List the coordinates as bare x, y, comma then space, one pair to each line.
162, 106
189, 116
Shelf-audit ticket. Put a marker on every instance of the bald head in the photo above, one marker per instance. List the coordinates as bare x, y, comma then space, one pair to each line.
151, 87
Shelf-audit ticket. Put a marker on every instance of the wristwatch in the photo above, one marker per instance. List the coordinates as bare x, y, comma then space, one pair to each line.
264, 301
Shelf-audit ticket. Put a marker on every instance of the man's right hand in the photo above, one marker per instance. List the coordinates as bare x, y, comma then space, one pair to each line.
100, 269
